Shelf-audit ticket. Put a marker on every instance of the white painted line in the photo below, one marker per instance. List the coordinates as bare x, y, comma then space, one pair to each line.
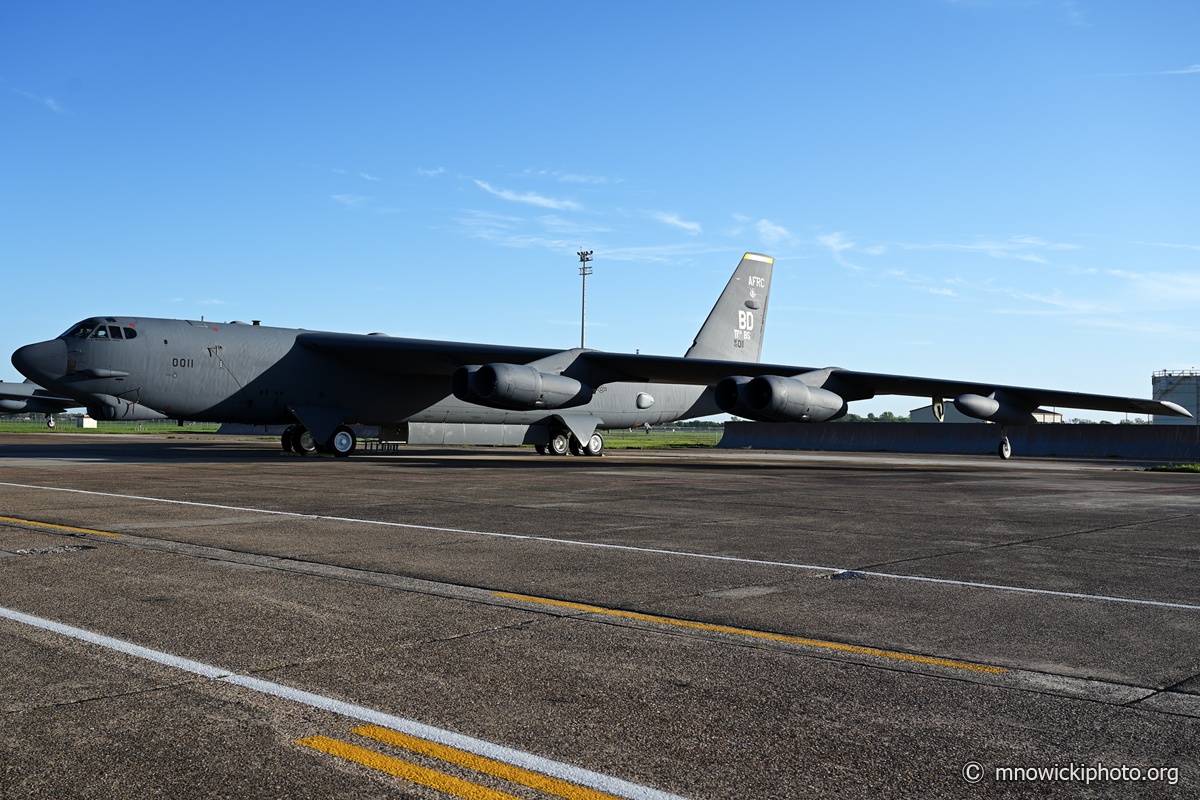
630, 548
556, 769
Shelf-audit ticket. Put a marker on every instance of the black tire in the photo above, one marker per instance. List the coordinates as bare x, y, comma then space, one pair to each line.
286, 438
541, 449
1005, 449
342, 443
595, 445
303, 442
559, 444
576, 447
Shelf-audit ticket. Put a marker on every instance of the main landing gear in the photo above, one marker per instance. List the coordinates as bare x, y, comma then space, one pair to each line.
299, 440
563, 442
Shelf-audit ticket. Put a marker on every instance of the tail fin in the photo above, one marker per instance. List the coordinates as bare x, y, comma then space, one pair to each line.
734, 328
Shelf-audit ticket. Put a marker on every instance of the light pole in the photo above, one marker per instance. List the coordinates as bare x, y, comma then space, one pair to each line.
584, 270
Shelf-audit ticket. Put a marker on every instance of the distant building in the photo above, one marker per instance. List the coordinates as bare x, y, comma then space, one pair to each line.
1181, 387
925, 414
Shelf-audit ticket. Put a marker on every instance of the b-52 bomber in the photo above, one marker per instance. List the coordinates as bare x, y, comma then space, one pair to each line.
319, 383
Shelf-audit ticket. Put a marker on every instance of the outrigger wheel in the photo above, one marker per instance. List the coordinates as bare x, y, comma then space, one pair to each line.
286, 438
1005, 448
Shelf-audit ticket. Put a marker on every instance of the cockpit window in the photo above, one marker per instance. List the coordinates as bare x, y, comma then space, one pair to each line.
81, 331
101, 333
130, 333
114, 332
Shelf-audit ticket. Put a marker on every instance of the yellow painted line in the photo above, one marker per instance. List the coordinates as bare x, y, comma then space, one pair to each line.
405, 770
499, 769
60, 527
849, 648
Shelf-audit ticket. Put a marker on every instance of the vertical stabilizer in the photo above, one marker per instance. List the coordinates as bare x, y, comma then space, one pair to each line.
734, 328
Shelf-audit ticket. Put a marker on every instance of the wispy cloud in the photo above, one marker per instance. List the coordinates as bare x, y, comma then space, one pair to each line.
530, 197
351, 200
46, 100
1176, 246
838, 245
430, 172
556, 224
1024, 248
212, 302
566, 177
368, 177
1163, 289
946, 292
673, 219
771, 233
1192, 70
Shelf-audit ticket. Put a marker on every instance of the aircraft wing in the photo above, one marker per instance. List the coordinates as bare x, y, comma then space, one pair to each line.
854, 385
402, 356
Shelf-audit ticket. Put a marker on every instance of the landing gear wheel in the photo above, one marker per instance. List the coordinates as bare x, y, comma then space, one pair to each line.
594, 446
559, 444
342, 443
576, 447
286, 438
303, 442
541, 449
1005, 448
50, 423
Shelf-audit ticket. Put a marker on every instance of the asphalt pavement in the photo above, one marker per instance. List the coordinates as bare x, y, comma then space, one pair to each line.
210, 617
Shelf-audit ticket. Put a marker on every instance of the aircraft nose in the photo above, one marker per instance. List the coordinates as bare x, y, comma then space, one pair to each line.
41, 362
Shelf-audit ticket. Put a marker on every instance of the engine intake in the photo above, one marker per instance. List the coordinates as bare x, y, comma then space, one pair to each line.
518, 387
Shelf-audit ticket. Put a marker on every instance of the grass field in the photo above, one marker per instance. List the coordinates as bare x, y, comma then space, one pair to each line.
640, 440
69, 426
1175, 468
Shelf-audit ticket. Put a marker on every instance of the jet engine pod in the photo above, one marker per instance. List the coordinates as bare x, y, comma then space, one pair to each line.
728, 396
994, 409
522, 387
789, 400
460, 385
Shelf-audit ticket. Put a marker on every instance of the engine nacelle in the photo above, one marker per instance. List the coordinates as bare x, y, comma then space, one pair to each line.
774, 398
518, 387
789, 400
728, 396
994, 409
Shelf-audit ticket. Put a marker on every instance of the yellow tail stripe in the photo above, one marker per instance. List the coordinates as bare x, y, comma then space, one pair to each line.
499, 769
60, 527
405, 770
849, 648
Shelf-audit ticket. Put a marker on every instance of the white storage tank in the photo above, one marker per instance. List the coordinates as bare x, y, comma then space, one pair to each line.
1180, 386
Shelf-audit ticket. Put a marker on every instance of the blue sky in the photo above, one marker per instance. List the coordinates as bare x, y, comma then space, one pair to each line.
997, 191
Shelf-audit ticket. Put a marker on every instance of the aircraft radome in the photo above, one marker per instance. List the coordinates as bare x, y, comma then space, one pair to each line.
318, 383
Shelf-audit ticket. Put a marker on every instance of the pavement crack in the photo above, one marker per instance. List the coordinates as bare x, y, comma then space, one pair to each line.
110, 696
1015, 543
